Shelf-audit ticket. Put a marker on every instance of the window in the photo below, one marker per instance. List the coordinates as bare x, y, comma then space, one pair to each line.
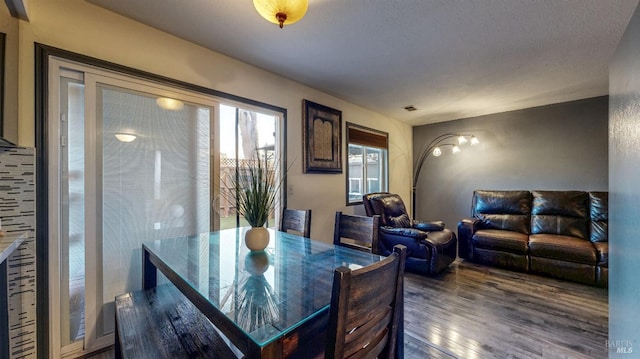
368, 163
244, 134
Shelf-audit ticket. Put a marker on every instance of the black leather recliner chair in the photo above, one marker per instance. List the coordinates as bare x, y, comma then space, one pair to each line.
430, 246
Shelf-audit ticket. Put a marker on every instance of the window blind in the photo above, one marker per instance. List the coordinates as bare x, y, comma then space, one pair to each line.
367, 137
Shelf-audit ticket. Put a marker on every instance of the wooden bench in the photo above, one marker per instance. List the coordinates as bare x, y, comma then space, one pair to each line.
162, 323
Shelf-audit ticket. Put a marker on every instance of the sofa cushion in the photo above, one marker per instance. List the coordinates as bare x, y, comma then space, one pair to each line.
599, 210
560, 203
506, 210
560, 225
603, 253
495, 239
561, 247
560, 212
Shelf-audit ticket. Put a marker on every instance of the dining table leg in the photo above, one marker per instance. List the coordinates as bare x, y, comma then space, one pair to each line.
149, 271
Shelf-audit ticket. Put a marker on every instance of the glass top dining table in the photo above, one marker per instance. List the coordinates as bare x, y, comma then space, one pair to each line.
270, 303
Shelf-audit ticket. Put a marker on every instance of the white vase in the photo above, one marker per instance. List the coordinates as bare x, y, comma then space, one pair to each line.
256, 262
257, 238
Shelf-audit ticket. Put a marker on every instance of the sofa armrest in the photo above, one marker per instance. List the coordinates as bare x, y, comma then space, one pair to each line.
428, 226
410, 237
414, 233
466, 228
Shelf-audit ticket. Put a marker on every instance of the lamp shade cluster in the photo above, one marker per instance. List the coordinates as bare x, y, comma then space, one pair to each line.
434, 148
281, 12
455, 147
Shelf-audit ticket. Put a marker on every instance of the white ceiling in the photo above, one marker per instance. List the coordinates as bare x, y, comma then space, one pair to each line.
450, 59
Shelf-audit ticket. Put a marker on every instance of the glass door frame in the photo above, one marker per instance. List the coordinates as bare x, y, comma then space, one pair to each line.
48, 139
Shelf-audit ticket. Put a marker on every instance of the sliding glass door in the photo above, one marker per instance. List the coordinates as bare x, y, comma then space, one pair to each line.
72, 191
244, 136
151, 167
131, 161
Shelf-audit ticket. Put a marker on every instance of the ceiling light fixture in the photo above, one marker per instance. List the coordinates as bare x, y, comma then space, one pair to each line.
125, 137
281, 11
169, 103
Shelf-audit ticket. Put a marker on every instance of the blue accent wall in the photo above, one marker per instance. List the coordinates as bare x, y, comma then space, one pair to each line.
624, 196
555, 147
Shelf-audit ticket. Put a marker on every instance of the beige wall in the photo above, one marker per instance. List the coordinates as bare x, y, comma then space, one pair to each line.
9, 26
80, 27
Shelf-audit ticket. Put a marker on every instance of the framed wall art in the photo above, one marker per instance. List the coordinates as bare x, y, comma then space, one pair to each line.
321, 138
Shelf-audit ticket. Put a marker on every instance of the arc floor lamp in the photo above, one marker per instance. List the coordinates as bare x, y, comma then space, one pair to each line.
453, 140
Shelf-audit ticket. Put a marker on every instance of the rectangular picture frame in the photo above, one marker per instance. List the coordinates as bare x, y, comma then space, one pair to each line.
322, 138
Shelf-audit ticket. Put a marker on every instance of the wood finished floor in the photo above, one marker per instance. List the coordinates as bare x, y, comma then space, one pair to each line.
473, 311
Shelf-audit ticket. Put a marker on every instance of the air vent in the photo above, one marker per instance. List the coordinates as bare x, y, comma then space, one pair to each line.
410, 108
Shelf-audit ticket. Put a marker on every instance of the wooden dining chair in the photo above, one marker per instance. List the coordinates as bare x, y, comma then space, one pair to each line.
296, 220
366, 311
357, 232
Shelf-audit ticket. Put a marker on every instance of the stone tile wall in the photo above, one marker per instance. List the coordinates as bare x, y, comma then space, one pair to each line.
17, 212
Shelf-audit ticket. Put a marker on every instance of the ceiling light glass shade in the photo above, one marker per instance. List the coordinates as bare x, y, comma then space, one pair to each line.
281, 11
455, 149
125, 137
462, 140
169, 103
437, 152
474, 140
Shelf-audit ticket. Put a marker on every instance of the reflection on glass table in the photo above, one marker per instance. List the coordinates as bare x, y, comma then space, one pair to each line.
269, 301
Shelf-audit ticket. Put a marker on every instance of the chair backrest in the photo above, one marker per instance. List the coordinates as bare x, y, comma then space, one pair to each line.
390, 208
296, 220
357, 232
366, 312
504, 210
560, 212
366, 201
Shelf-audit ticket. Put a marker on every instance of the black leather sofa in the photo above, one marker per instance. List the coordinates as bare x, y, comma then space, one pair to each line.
430, 246
557, 233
